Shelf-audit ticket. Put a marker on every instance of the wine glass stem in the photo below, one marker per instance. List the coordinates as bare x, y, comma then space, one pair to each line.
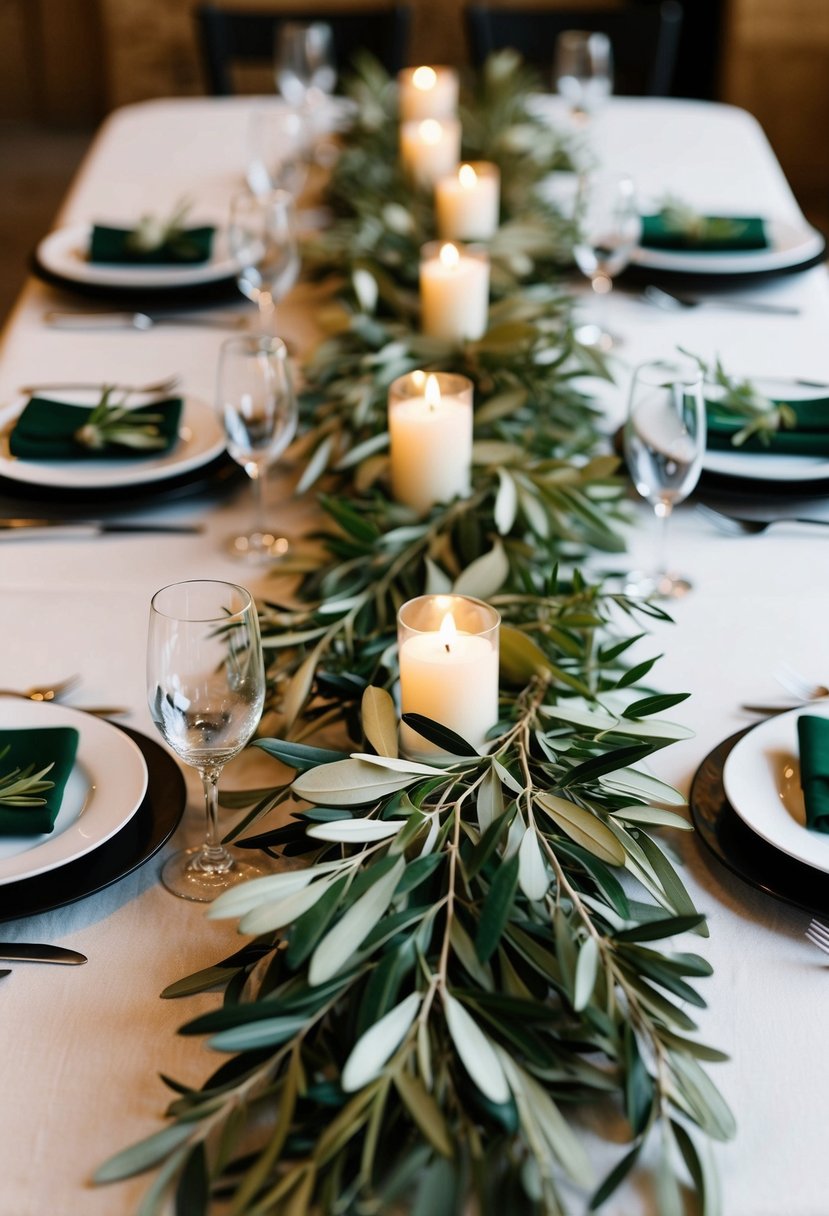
663, 511
267, 314
214, 855
257, 479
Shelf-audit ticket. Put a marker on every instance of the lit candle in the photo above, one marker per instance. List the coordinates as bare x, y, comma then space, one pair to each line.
448, 655
430, 149
427, 93
430, 437
454, 291
467, 203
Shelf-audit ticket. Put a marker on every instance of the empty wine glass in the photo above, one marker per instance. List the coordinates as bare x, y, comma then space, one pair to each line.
664, 440
263, 239
304, 64
259, 413
279, 149
206, 690
583, 71
607, 230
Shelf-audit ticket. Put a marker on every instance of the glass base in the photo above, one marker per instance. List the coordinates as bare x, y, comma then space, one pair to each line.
656, 586
258, 548
191, 874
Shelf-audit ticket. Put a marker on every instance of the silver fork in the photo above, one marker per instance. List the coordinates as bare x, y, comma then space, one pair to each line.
798, 685
818, 935
160, 387
738, 525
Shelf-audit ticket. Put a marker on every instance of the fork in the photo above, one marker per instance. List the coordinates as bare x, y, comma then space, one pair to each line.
160, 387
739, 525
818, 935
800, 688
42, 692
671, 302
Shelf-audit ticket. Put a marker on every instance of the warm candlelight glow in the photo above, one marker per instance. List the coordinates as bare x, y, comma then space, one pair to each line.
467, 177
449, 257
424, 78
432, 393
430, 131
418, 379
448, 632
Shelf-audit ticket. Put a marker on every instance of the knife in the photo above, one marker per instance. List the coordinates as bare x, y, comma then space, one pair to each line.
135, 320
29, 952
61, 529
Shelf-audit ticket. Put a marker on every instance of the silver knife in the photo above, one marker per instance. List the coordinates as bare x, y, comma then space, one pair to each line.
31, 952
62, 529
135, 320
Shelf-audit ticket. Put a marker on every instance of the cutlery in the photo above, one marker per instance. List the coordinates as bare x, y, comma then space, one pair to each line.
736, 525
61, 529
671, 302
160, 387
42, 692
803, 690
818, 935
135, 320
34, 952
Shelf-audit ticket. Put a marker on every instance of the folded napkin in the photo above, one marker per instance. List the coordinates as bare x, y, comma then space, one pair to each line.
813, 742
38, 746
187, 246
808, 437
46, 430
710, 234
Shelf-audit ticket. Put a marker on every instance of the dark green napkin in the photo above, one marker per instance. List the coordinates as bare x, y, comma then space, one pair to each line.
188, 247
716, 234
809, 437
813, 744
38, 746
45, 430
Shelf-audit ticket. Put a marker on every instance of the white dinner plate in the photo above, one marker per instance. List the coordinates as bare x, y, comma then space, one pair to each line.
201, 439
65, 252
772, 466
105, 789
762, 783
790, 245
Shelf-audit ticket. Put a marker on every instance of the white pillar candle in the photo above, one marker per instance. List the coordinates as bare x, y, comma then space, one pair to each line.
467, 203
427, 93
454, 291
430, 149
430, 437
448, 655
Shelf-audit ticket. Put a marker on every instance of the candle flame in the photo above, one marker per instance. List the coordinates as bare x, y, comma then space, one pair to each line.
424, 78
430, 131
449, 256
467, 177
432, 392
448, 632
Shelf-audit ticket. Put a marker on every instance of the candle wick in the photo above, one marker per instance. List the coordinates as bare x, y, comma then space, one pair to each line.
446, 647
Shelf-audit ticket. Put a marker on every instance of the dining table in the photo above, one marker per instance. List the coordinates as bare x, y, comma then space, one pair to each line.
83, 1047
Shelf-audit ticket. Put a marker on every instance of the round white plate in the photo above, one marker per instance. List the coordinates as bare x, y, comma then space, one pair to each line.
104, 790
772, 466
64, 252
762, 783
790, 245
201, 439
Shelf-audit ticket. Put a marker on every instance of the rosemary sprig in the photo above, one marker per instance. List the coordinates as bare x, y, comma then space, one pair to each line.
114, 423
21, 787
153, 232
743, 399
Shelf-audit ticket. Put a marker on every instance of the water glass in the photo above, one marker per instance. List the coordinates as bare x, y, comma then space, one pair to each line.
206, 692
583, 71
664, 441
258, 409
607, 230
263, 239
304, 63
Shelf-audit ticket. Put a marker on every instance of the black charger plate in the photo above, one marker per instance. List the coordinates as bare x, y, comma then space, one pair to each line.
735, 846
150, 827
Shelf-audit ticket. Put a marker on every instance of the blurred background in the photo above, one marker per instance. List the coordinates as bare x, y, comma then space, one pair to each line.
64, 64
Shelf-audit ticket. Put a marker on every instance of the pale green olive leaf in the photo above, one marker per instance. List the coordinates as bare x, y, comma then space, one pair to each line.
584, 827
356, 831
269, 916
633, 782
398, 765
506, 503
375, 1048
379, 720
341, 942
533, 876
486, 575
586, 971
349, 783
317, 465
476, 1051
272, 887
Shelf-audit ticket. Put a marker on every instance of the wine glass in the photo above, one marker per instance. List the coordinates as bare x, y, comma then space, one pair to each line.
304, 64
259, 412
664, 440
263, 239
278, 150
206, 690
583, 71
607, 230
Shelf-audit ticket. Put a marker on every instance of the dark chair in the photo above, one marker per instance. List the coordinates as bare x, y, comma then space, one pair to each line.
231, 36
644, 37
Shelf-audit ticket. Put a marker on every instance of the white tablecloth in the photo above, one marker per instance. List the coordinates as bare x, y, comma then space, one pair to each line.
82, 1048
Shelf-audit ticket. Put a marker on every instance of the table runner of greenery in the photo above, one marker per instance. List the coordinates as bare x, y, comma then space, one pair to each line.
450, 981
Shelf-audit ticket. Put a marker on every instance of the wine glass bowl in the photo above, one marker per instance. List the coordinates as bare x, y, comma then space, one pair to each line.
304, 64
263, 239
607, 230
258, 409
664, 443
583, 71
206, 692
